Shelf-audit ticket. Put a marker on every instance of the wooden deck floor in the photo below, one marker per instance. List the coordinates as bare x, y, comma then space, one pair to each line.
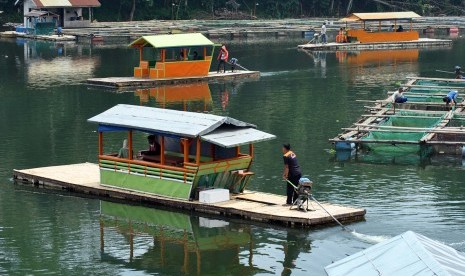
84, 178
421, 43
120, 82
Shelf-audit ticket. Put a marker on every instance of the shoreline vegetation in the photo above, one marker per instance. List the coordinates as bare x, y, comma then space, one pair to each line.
143, 10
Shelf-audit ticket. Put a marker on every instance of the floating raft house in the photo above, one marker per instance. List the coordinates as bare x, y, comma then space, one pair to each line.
424, 122
172, 59
372, 31
195, 154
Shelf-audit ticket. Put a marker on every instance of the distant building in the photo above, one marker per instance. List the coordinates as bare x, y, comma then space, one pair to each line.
71, 13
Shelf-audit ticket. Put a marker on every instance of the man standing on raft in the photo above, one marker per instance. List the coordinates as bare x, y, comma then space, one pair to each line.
222, 58
291, 172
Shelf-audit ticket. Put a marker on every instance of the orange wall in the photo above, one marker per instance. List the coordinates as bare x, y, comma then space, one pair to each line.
187, 68
367, 37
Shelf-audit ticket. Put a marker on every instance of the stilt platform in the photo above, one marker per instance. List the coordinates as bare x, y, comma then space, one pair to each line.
421, 43
120, 82
257, 206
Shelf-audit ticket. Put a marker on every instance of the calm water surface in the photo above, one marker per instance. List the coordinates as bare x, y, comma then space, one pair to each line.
304, 99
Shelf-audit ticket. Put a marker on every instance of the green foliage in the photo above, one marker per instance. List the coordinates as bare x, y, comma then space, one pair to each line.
120, 10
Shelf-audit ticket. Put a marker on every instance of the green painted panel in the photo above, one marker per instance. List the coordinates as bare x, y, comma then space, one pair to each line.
239, 164
144, 215
145, 184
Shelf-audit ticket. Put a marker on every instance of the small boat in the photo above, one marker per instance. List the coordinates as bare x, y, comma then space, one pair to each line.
196, 151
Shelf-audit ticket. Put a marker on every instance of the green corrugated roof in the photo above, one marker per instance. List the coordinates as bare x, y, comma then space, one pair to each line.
172, 40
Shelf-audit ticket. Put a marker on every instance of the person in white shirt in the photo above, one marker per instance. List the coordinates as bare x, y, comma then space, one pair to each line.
323, 33
398, 96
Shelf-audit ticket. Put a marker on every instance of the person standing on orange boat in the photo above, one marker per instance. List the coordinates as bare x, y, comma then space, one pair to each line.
222, 58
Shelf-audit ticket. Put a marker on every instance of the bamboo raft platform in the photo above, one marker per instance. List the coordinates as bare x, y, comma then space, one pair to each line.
421, 43
120, 82
55, 38
424, 103
256, 206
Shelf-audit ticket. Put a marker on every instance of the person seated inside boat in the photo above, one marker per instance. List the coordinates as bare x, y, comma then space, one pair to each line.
398, 96
391, 29
451, 97
124, 151
154, 147
181, 55
400, 29
195, 56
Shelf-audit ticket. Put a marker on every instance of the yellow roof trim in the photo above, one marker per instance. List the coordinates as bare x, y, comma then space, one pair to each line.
373, 16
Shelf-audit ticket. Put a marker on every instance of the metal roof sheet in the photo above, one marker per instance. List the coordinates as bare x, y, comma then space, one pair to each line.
169, 122
367, 16
172, 40
36, 13
66, 3
231, 137
406, 254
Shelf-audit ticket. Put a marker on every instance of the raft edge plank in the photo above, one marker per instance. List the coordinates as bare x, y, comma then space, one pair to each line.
250, 210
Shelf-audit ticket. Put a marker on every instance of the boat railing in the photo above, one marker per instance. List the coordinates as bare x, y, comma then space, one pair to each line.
148, 169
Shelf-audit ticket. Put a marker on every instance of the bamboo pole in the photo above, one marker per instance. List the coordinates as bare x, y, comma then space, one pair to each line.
400, 142
407, 131
433, 87
437, 79
401, 116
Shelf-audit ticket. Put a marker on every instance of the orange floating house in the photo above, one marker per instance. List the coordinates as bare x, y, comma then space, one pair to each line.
173, 56
372, 33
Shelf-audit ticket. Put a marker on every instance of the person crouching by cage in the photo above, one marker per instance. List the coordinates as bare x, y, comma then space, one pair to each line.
291, 173
451, 98
222, 58
233, 63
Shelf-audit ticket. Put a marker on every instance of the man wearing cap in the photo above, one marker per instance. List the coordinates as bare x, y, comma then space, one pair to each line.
451, 97
291, 172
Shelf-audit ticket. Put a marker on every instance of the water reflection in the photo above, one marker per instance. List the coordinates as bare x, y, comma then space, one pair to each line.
157, 240
50, 64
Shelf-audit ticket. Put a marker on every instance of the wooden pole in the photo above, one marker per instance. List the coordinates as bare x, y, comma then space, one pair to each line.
162, 150
212, 151
141, 52
130, 144
238, 151
204, 53
251, 150
437, 79
198, 152
100, 143
185, 144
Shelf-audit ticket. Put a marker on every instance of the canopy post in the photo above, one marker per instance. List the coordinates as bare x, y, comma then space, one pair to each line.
130, 144
204, 52
212, 151
184, 53
185, 145
251, 150
238, 151
163, 55
379, 26
199, 148
162, 150
100, 143
141, 52
395, 25
411, 24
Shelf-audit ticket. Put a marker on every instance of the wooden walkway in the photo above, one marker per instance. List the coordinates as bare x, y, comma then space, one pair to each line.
421, 43
257, 206
120, 82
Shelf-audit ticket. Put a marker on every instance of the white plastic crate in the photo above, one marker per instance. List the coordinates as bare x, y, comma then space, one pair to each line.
214, 196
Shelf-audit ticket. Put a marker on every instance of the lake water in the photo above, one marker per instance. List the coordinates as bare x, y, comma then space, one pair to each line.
303, 99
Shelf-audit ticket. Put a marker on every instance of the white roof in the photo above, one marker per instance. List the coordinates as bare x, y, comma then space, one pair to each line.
181, 123
406, 254
232, 137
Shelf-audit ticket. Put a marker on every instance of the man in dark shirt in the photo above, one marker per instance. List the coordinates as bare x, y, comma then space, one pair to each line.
291, 172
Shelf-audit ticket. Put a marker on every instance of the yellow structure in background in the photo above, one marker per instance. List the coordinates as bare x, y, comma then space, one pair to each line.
367, 35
